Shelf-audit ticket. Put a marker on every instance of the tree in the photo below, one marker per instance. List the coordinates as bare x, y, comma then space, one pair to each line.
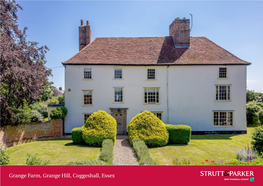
23, 74
47, 92
251, 95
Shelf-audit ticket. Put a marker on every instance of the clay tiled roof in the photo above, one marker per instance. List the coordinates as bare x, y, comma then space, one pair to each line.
153, 51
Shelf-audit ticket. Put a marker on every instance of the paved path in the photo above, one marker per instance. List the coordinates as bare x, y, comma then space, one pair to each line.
123, 153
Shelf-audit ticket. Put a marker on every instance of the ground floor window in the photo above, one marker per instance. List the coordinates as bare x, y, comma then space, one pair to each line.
158, 114
86, 116
223, 118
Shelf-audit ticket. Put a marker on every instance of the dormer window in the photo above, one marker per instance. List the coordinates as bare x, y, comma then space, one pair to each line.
222, 72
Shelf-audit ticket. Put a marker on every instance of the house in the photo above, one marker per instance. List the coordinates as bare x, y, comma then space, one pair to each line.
58, 92
182, 79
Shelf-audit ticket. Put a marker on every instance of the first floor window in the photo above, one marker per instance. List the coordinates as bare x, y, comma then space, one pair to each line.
158, 115
88, 97
151, 95
87, 73
118, 95
150, 73
222, 92
86, 116
222, 72
223, 118
117, 73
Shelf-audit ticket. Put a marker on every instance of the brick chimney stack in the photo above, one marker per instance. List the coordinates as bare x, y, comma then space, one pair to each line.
84, 35
180, 31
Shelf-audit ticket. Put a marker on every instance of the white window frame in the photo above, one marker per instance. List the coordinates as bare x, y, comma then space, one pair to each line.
84, 73
227, 119
114, 101
228, 92
83, 102
156, 112
150, 76
115, 73
84, 117
157, 97
219, 73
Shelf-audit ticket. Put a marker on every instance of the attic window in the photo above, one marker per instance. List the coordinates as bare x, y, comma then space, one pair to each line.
222, 73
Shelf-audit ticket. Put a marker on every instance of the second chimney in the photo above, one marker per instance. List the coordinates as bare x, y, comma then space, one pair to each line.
180, 31
84, 35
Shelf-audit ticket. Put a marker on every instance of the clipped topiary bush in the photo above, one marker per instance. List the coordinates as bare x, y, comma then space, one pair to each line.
147, 127
98, 127
106, 153
178, 134
76, 134
59, 112
141, 150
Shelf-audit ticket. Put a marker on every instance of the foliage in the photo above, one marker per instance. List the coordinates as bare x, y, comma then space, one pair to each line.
250, 95
36, 105
59, 112
149, 128
43, 110
4, 158
36, 116
183, 162
260, 116
46, 119
76, 134
33, 160
258, 161
246, 154
106, 153
257, 136
141, 150
61, 99
47, 91
23, 74
178, 134
53, 101
22, 114
99, 126
87, 162
252, 112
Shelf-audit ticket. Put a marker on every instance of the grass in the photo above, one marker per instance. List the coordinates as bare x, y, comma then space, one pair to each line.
60, 151
202, 147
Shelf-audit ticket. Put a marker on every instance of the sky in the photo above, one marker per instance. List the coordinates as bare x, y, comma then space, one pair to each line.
234, 25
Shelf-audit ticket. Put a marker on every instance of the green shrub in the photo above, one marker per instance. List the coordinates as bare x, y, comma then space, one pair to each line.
106, 153
36, 116
252, 113
4, 158
87, 162
43, 110
22, 114
260, 116
76, 134
98, 127
178, 134
257, 136
32, 160
53, 101
36, 105
59, 112
141, 150
61, 99
147, 127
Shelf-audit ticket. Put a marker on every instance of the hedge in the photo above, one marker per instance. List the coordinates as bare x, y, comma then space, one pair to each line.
59, 112
87, 162
149, 128
76, 134
98, 127
141, 150
106, 153
178, 134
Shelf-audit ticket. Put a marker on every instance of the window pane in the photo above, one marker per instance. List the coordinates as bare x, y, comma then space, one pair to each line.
86, 116
216, 118
150, 73
87, 73
118, 73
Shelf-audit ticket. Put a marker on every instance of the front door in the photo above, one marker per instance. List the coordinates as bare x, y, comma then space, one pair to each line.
120, 117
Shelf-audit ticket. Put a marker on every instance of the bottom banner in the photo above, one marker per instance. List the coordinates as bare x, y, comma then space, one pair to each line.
131, 175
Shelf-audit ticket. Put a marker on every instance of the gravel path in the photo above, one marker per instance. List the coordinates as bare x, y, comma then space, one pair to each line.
123, 153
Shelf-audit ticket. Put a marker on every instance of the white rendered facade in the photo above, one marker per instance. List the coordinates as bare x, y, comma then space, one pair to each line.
187, 93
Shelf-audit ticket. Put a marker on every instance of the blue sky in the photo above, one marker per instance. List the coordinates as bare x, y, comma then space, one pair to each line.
235, 26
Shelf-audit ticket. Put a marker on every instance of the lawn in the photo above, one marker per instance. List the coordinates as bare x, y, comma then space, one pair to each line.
202, 147
60, 151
